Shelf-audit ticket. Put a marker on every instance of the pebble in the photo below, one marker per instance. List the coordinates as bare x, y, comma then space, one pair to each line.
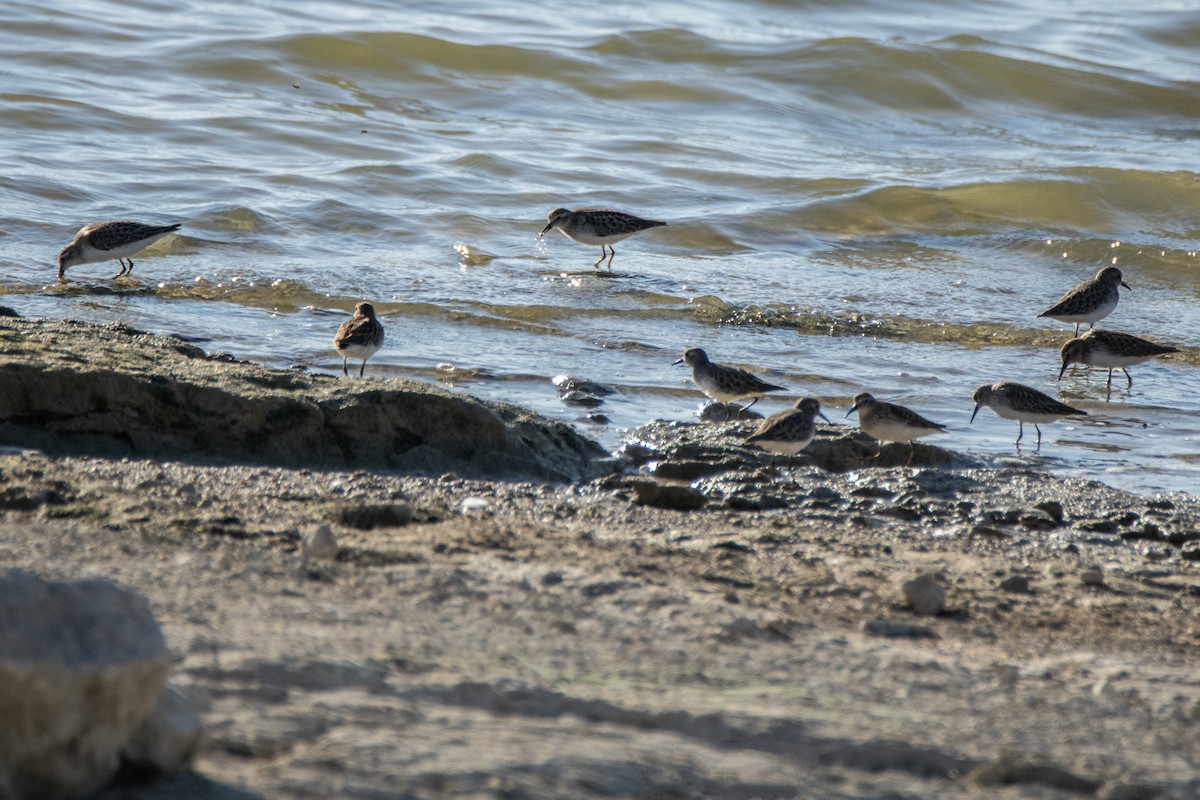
888, 628
1190, 551
319, 544
1018, 584
924, 595
473, 505
1053, 509
1092, 576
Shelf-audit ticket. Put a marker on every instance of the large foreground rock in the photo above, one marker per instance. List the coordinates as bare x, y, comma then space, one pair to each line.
81, 389
81, 667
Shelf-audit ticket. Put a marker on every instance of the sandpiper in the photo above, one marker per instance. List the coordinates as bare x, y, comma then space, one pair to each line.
600, 226
1015, 401
1110, 350
889, 422
723, 382
361, 336
1090, 301
117, 239
788, 432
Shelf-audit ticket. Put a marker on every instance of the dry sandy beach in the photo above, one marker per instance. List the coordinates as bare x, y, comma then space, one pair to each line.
671, 623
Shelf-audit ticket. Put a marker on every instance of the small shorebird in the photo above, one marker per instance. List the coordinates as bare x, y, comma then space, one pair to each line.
788, 432
1015, 401
889, 422
600, 226
117, 239
1090, 301
723, 382
361, 336
1110, 350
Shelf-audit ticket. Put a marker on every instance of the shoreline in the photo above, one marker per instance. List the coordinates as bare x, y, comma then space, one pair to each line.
685, 626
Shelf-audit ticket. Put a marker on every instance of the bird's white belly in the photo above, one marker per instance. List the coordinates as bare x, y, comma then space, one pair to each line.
1007, 412
784, 448
713, 389
586, 237
894, 431
1108, 360
359, 351
92, 256
1095, 315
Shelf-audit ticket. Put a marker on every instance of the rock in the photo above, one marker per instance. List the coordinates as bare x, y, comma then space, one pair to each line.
1011, 770
689, 470
369, 517
888, 628
1156, 553
81, 389
1190, 551
474, 505
319, 544
1129, 791
1037, 521
987, 531
1053, 509
167, 741
924, 595
1092, 576
1017, 584
1178, 538
82, 666
667, 495
1147, 531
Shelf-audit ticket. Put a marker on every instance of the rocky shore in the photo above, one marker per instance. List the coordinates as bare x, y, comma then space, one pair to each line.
512, 612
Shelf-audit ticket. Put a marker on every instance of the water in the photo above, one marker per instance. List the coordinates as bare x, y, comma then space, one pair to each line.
861, 195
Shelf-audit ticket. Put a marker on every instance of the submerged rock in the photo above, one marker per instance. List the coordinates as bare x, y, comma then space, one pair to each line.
81, 389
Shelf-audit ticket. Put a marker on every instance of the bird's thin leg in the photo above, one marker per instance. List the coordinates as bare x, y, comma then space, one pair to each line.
601, 258
1020, 431
120, 261
1109, 384
344, 370
912, 453
1076, 330
744, 409
362, 368
612, 251
1128, 377
1039, 430
129, 271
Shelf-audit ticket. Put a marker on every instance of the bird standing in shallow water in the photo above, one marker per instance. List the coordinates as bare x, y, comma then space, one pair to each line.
1090, 301
1016, 401
1110, 350
600, 226
789, 432
723, 382
102, 241
361, 336
889, 422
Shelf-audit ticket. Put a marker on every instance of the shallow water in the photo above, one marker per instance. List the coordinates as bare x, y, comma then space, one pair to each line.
861, 195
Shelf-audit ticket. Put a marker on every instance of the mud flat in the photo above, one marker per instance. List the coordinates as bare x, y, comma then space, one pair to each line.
514, 613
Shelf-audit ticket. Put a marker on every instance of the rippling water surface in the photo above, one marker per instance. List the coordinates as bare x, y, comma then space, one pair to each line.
861, 195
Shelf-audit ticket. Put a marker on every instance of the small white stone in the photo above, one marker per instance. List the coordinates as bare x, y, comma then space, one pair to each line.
473, 505
319, 544
924, 595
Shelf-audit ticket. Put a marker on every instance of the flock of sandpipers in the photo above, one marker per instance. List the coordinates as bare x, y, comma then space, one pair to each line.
785, 433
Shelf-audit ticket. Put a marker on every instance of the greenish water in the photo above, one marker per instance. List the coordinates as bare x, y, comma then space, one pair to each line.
861, 195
